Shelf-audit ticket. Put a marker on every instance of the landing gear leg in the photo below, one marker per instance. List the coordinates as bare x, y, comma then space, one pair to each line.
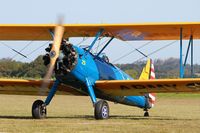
101, 108
39, 110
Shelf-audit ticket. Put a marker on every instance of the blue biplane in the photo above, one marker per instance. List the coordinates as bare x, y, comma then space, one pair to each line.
78, 71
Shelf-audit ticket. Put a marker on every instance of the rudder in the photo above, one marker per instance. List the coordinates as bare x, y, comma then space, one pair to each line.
148, 72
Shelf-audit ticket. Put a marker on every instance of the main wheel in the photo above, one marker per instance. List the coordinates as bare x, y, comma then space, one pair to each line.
101, 110
39, 109
146, 114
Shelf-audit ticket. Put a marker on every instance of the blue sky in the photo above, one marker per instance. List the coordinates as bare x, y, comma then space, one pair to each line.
103, 11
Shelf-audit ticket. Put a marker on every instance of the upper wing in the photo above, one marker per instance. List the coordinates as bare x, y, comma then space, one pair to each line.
140, 87
127, 32
31, 87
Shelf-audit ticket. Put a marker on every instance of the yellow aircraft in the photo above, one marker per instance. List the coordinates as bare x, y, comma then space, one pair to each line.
78, 71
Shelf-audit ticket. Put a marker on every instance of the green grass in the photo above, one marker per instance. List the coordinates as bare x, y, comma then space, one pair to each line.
173, 114
178, 95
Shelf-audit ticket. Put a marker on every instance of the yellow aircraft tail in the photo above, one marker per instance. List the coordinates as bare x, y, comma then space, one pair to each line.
149, 73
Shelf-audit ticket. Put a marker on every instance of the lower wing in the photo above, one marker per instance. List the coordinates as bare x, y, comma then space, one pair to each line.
32, 87
140, 87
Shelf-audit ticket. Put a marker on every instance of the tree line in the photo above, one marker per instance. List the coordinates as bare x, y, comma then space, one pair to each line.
15, 69
168, 68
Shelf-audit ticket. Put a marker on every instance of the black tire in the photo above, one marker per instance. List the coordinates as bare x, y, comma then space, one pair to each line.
101, 110
146, 114
39, 110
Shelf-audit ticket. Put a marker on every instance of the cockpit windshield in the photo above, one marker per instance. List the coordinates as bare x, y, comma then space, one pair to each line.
104, 57
85, 47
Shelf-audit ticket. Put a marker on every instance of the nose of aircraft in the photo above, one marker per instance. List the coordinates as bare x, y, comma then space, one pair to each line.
67, 58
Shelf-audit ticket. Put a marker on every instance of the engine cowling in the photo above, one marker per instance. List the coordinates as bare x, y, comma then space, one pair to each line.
66, 61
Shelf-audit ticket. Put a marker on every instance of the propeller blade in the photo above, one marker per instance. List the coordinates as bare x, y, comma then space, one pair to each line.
54, 53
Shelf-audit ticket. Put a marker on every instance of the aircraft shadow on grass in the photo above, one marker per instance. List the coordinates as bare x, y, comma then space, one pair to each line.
90, 117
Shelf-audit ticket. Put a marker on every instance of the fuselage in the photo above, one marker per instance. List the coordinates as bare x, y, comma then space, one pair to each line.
96, 68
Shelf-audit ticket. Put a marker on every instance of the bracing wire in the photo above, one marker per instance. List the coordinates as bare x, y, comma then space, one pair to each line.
18, 52
84, 39
29, 43
165, 46
36, 49
97, 48
134, 50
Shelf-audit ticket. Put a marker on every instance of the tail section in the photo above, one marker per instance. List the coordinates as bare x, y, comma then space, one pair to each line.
146, 71
149, 73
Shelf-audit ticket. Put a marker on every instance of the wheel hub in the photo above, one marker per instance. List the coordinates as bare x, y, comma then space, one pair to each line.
104, 111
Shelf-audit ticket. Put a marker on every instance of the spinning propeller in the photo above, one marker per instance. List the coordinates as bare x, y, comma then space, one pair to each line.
54, 53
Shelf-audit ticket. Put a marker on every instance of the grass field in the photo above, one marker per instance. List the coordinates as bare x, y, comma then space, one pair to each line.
172, 113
